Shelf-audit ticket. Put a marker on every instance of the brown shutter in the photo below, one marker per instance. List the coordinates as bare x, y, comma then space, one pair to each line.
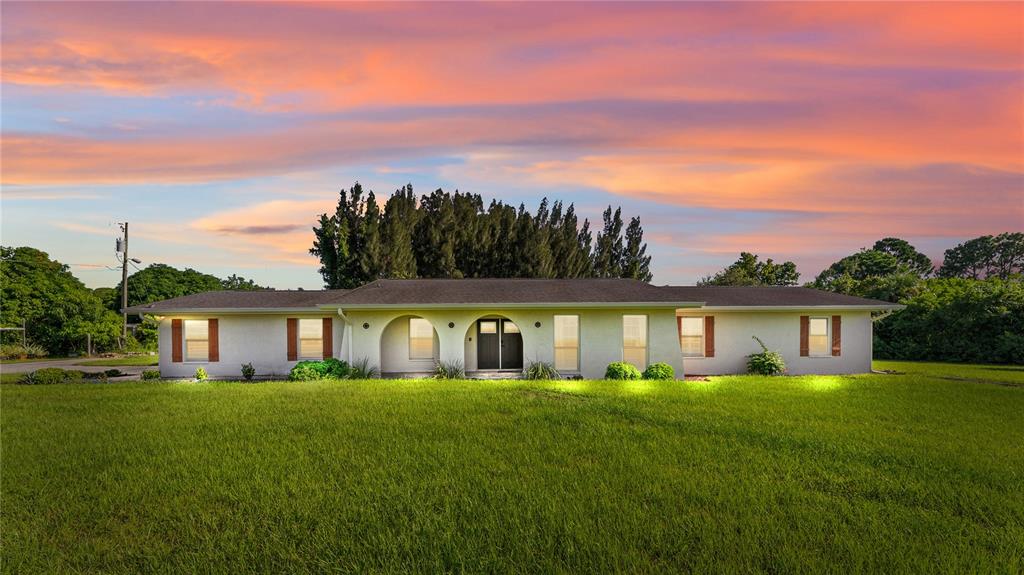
293, 336
328, 338
176, 333
214, 340
709, 336
837, 335
805, 332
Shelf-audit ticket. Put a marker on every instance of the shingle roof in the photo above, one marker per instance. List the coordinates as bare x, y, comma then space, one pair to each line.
769, 296
503, 291
438, 292
263, 299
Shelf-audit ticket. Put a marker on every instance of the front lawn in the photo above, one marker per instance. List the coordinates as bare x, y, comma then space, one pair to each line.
144, 360
889, 473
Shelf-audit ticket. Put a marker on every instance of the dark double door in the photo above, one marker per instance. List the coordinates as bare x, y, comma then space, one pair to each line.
499, 345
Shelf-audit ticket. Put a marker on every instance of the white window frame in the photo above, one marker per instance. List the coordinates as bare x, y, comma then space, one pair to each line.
703, 334
554, 342
185, 337
827, 349
431, 353
647, 339
320, 347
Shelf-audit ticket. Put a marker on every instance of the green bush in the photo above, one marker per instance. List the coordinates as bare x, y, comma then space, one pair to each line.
659, 371
114, 373
201, 374
621, 370
151, 374
361, 369
955, 319
248, 371
50, 376
18, 351
329, 368
540, 370
765, 363
449, 370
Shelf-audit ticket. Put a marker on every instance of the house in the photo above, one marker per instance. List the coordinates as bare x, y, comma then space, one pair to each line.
496, 327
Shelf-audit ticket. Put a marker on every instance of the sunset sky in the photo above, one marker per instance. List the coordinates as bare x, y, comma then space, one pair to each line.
796, 131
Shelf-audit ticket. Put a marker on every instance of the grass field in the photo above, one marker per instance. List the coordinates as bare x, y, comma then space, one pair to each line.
127, 360
889, 473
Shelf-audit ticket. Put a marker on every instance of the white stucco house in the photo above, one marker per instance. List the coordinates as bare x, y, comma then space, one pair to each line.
495, 327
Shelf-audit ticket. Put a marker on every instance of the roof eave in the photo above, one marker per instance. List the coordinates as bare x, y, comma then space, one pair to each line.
847, 307
536, 305
229, 310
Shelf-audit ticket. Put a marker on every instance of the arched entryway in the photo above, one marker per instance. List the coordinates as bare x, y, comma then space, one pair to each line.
409, 345
494, 343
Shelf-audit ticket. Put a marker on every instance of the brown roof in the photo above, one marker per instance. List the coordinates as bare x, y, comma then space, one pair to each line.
769, 296
262, 299
503, 291
439, 292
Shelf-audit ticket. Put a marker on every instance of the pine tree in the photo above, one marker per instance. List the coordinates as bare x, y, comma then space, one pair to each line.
608, 255
371, 252
636, 264
325, 247
399, 220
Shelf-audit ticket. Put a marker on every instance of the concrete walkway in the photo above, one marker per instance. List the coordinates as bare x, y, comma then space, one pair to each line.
73, 363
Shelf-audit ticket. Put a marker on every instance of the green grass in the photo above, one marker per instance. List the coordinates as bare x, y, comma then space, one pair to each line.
1013, 374
29, 360
889, 473
127, 360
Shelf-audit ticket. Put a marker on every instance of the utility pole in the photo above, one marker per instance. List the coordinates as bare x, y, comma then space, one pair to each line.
124, 285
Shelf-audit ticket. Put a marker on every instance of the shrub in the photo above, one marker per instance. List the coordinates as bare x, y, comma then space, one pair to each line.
329, 368
96, 376
334, 368
114, 373
765, 363
248, 371
50, 376
540, 370
361, 369
201, 374
18, 351
449, 370
621, 370
151, 374
659, 371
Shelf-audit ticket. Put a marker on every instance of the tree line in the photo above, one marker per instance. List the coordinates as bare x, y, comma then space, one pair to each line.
454, 235
969, 309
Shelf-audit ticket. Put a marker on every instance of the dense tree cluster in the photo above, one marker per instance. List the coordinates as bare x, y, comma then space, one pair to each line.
999, 256
972, 311
160, 281
57, 308
443, 235
749, 271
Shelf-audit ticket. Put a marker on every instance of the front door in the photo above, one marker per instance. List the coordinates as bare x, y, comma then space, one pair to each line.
488, 344
511, 346
499, 345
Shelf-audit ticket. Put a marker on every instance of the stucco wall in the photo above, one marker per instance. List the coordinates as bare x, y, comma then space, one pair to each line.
600, 334
394, 349
780, 331
260, 339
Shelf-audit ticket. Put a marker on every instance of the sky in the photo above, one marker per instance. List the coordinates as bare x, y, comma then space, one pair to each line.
220, 131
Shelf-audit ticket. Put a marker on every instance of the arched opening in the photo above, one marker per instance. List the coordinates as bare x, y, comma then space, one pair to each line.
494, 343
409, 346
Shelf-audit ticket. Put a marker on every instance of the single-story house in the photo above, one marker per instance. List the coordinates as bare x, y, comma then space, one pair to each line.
495, 327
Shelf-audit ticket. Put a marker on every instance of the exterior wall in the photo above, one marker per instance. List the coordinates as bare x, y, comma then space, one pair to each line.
260, 339
600, 335
394, 349
780, 331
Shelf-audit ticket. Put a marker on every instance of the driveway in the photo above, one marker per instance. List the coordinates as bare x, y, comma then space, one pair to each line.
72, 363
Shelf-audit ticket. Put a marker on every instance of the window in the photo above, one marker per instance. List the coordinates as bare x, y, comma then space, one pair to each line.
311, 338
691, 336
510, 327
817, 341
488, 327
567, 342
634, 340
197, 340
421, 339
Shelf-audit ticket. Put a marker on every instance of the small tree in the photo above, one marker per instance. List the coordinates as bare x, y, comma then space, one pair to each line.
766, 362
